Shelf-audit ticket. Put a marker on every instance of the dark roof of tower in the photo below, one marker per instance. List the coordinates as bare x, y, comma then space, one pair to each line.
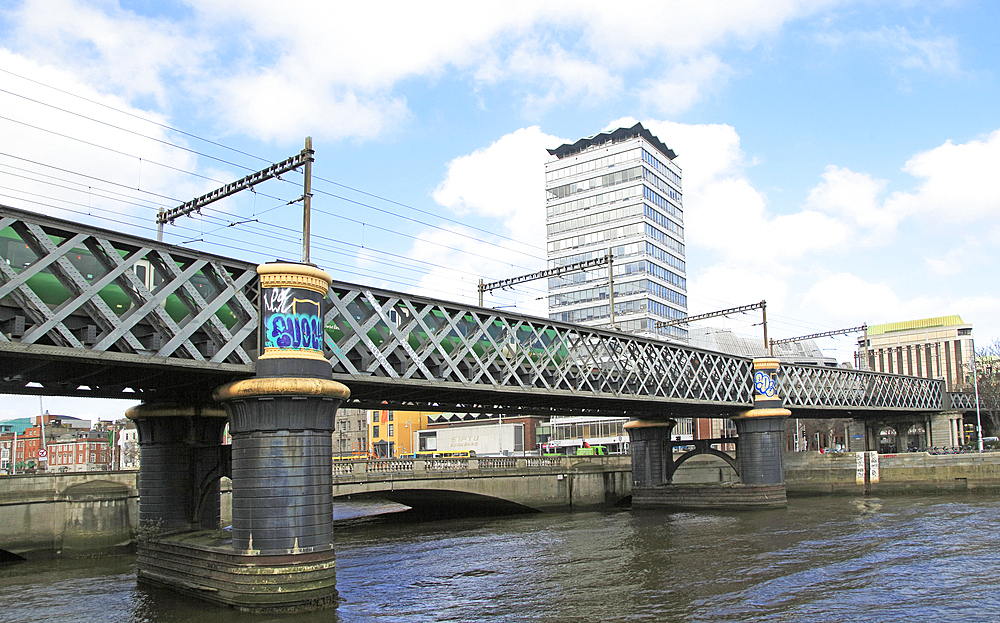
621, 134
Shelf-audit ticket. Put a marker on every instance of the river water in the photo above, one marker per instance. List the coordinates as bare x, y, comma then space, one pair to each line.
911, 558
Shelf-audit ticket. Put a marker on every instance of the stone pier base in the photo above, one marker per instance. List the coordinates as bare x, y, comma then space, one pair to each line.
715, 496
200, 565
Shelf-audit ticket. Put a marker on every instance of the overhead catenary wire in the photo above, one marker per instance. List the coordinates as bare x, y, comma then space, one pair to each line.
170, 167
223, 242
223, 146
237, 220
157, 205
290, 235
777, 320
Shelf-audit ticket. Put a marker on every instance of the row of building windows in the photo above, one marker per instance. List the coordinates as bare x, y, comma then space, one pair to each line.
597, 293
592, 165
665, 188
651, 160
588, 430
649, 325
621, 251
597, 218
607, 180
598, 312
627, 288
656, 199
666, 311
664, 238
624, 269
666, 258
597, 237
661, 219
345, 425
621, 270
594, 201
667, 275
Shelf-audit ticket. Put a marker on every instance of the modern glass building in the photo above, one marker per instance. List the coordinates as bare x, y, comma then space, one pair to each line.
617, 191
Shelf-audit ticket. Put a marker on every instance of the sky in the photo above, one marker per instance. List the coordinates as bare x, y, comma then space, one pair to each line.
837, 155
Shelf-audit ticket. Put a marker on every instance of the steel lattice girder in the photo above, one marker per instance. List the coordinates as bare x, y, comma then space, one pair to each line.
381, 337
842, 389
97, 300
122, 313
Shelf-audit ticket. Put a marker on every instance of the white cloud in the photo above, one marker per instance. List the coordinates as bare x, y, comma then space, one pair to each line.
77, 161
903, 50
683, 85
504, 181
731, 285
336, 68
106, 45
722, 209
957, 184
846, 296
854, 196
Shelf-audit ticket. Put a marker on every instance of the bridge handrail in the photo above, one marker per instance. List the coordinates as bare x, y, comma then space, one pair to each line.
497, 463
388, 465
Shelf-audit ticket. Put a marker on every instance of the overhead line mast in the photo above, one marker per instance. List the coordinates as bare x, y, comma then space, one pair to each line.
788, 340
724, 312
303, 159
542, 274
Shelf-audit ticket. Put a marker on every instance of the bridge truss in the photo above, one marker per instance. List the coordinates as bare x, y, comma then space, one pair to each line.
90, 312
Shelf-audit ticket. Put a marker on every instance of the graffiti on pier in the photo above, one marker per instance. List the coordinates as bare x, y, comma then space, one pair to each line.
292, 319
294, 331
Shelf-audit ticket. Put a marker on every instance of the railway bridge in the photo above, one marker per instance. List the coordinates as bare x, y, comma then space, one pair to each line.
86, 311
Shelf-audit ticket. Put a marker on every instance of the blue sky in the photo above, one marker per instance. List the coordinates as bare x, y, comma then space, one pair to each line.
838, 156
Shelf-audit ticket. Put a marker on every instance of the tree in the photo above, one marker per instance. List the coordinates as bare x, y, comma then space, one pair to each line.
988, 380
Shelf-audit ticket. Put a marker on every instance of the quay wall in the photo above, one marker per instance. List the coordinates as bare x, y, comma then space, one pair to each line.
812, 473
71, 514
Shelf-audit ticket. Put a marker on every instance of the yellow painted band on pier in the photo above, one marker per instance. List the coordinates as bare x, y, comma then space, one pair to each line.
284, 275
281, 386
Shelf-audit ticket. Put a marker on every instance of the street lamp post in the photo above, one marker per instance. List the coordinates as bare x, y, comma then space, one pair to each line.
975, 384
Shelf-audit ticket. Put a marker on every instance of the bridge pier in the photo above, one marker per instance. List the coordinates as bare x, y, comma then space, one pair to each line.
758, 459
280, 556
181, 459
761, 433
651, 450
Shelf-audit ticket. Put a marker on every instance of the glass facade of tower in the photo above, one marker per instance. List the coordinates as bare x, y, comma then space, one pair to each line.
621, 191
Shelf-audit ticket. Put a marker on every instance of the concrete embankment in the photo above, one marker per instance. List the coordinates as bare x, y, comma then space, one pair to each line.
812, 473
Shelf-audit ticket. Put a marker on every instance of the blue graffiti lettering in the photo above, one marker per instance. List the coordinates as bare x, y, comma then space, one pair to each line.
764, 384
294, 331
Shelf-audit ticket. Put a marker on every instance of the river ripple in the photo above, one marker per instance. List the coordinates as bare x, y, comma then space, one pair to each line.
821, 559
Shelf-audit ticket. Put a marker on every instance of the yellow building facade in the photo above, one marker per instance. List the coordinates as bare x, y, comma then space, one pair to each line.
390, 433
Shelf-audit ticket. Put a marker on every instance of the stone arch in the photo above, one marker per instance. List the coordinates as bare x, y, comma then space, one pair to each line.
916, 438
888, 439
703, 448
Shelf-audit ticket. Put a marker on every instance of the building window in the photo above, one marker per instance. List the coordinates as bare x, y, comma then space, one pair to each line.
390, 418
390, 430
375, 431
